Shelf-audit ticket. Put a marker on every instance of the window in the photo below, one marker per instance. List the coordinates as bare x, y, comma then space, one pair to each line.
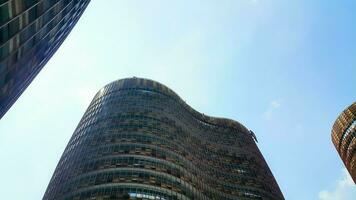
14, 27
4, 13
32, 14
4, 34
4, 51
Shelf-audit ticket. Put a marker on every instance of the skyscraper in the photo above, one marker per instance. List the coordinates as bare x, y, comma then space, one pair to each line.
140, 140
30, 33
343, 135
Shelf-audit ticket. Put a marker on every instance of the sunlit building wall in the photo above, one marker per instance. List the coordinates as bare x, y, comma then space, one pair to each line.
30, 33
140, 140
344, 138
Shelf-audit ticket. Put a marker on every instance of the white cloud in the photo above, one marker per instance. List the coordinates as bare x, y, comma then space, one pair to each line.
345, 189
273, 105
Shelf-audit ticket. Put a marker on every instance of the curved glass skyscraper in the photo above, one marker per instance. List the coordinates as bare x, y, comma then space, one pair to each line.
139, 140
343, 136
30, 33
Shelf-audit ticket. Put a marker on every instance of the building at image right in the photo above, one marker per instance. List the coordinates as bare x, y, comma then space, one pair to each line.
344, 138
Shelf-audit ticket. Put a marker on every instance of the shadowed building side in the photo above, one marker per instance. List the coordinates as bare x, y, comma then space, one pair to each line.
31, 31
343, 136
140, 140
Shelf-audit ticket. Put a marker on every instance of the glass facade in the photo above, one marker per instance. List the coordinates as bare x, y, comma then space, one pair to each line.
139, 140
30, 33
343, 135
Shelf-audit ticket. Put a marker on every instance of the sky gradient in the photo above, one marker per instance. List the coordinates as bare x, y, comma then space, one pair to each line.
285, 69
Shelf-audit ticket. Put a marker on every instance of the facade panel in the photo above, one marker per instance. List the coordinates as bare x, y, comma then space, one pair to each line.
30, 33
139, 140
343, 135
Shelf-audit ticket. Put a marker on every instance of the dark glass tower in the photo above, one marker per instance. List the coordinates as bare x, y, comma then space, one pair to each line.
139, 140
343, 136
30, 33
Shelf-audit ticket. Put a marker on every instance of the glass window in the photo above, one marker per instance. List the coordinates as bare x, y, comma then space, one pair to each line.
32, 14
4, 13
14, 27
4, 34
4, 51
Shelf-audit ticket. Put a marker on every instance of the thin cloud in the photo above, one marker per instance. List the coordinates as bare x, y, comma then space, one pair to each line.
345, 189
273, 105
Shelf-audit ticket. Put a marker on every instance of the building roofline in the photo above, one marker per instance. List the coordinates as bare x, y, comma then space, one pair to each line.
144, 83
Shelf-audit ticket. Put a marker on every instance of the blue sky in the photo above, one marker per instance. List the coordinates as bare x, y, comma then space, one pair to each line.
285, 69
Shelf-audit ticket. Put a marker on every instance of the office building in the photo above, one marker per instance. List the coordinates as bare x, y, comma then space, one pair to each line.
30, 33
343, 135
139, 140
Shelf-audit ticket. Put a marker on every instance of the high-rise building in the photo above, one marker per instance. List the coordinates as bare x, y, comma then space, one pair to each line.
343, 135
30, 33
140, 140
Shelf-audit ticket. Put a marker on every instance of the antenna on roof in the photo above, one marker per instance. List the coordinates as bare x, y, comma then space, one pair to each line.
253, 136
